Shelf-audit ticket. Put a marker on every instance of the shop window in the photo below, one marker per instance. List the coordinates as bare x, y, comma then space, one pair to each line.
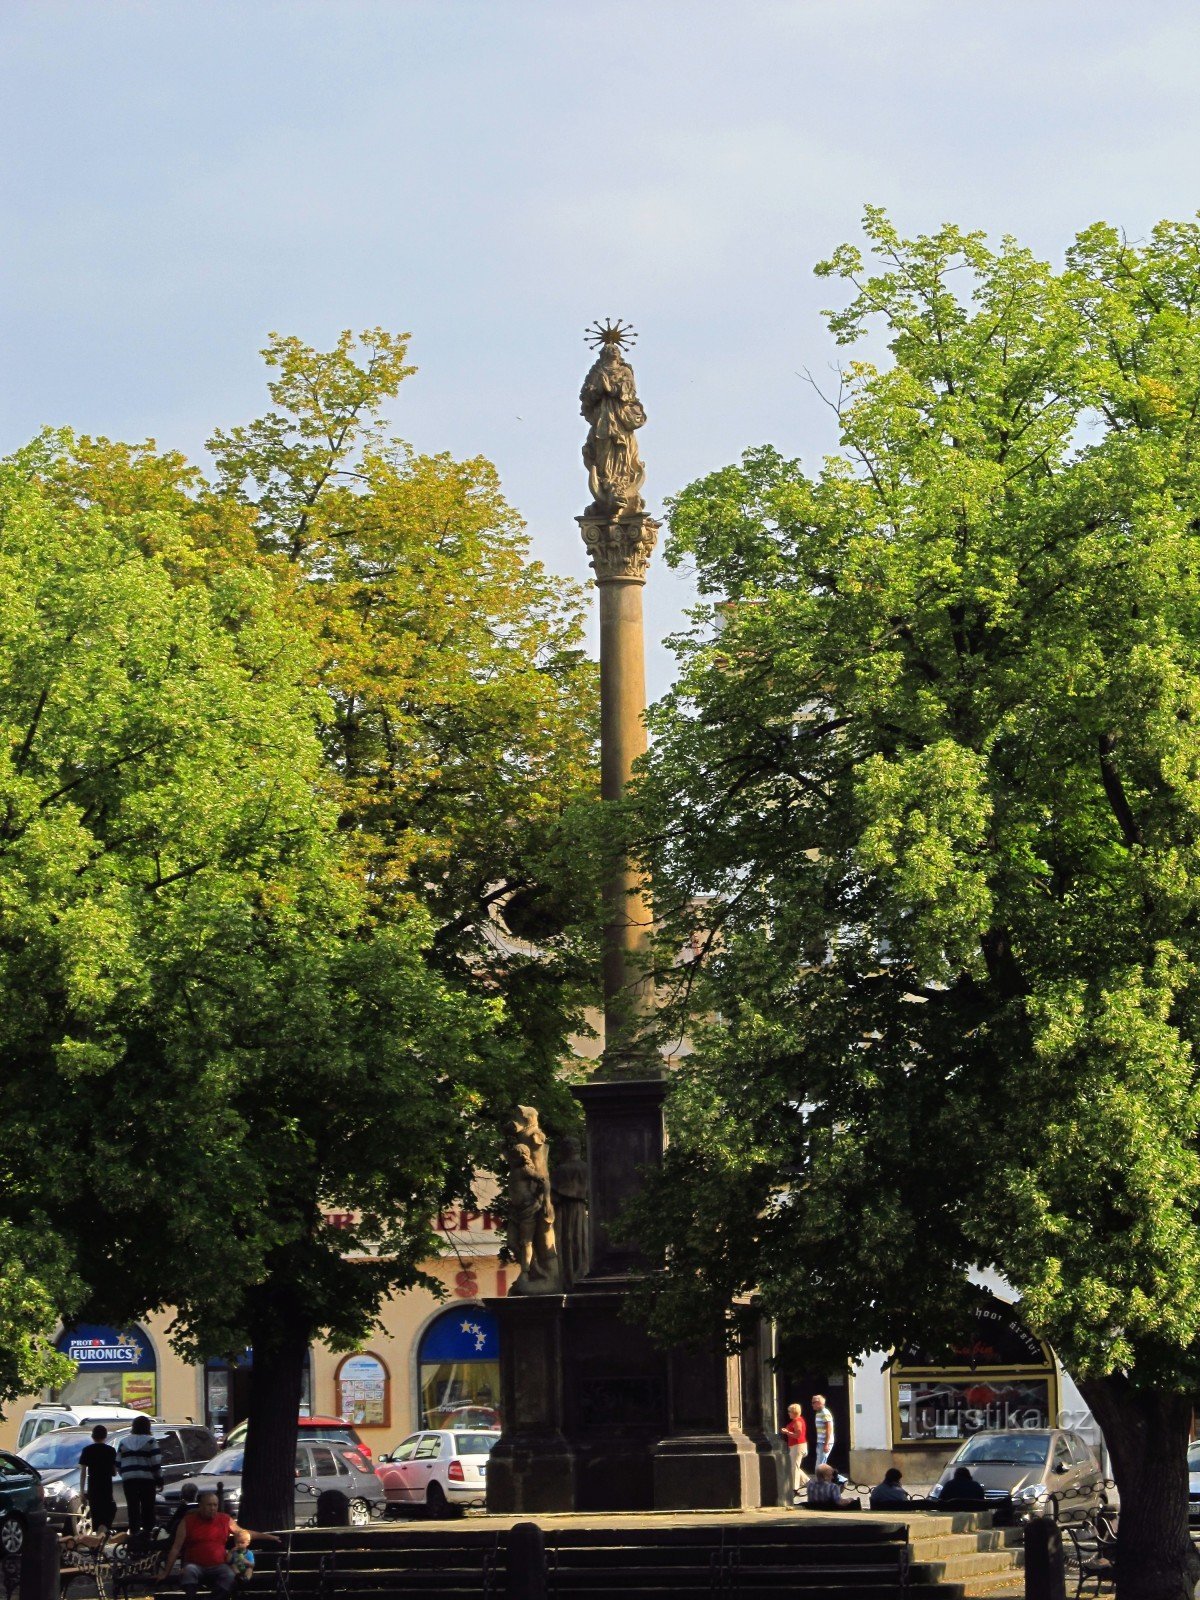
459, 1370
1001, 1377
113, 1367
364, 1392
227, 1390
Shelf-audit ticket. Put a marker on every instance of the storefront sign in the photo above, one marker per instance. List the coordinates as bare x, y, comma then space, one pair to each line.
467, 1335
1000, 1376
998, 1338
105, 1348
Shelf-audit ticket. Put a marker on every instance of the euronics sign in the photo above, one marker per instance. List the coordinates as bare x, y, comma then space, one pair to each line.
94, 1345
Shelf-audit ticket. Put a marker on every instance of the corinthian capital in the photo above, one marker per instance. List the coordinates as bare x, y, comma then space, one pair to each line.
620, 549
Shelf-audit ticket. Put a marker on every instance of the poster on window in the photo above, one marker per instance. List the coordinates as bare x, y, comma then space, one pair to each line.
137, 1391
362, 1392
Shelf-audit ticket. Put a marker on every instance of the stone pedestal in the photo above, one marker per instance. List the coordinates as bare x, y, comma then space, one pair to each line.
625, 1141
598, 1418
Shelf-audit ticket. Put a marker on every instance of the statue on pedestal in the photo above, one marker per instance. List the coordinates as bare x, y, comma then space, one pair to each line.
609, 402
531, 1206
569, 1184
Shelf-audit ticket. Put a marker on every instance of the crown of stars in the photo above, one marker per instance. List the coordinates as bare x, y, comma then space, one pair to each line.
609, 332
478, 1332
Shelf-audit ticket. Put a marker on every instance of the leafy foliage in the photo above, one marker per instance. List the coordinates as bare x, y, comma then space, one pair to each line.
277, 752
926, 794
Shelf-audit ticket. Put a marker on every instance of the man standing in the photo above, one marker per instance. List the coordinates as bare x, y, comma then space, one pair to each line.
202, 1537
823, 1427
97, 1464
139, 1461
795, 1434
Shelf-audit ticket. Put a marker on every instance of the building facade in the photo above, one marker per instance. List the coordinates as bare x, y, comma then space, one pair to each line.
430, 1363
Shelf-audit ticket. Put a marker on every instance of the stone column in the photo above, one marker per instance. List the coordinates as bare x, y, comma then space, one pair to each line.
620, 549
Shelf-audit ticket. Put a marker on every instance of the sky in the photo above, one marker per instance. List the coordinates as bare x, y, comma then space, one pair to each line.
181, 177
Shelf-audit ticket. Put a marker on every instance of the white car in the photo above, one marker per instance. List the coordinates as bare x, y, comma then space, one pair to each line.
438, 1468
46, 1418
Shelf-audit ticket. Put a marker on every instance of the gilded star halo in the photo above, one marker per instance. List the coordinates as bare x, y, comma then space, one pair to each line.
608, 332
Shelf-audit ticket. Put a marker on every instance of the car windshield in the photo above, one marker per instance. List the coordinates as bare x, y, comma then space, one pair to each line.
474, 1444
1013, 1449
227, 1461
53, 1451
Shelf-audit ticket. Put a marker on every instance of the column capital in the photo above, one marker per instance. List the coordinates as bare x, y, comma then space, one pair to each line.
619, 547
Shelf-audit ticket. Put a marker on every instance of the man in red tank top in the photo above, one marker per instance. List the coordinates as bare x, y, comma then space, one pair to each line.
203, 1538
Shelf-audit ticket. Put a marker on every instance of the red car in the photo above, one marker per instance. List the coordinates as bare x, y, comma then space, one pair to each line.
331, 1428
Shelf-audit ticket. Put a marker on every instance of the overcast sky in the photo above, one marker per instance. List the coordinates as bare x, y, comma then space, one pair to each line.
182, 176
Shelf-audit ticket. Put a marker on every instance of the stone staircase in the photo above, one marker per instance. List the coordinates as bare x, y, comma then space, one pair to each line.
790, 1557
966, 1550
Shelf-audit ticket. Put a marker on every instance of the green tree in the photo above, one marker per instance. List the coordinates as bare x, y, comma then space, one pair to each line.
286, 750
208, 1039
928, 792
34, 1282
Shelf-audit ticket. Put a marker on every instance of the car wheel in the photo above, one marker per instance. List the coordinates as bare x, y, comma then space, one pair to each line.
360, 1514
81, 1521
12, 1535
435, 1500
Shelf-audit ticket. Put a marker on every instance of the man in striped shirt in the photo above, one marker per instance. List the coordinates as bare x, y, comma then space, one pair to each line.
139, 1461
822, 1429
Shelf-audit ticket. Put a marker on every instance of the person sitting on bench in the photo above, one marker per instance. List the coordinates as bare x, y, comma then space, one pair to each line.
825, 1492
964, 1488
890, 1492
202, 1538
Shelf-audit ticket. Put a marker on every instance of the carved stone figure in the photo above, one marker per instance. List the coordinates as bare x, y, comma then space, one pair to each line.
531, 1206
609, 402
569, 1184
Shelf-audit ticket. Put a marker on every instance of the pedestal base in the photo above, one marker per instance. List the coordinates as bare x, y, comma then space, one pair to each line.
597, 1418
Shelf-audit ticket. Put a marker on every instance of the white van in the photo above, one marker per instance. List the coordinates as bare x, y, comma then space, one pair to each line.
44, 1418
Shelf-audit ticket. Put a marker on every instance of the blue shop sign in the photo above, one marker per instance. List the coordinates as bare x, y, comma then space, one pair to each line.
92, 1345
467, 1335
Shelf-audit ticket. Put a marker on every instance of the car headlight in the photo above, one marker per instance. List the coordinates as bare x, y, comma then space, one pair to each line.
57, 1491
936, 1492
1032, 1491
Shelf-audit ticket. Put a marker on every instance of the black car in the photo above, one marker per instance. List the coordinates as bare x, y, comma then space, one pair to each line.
20, 1493
185, 1447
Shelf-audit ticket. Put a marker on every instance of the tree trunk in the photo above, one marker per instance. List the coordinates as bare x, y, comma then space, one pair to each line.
276, 1382
1146, 1431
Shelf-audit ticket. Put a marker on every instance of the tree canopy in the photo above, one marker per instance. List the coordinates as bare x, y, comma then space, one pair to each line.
927, 793
281, 750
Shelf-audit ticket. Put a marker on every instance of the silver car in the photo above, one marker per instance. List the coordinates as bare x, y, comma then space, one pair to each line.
319, 1466
1047, 1472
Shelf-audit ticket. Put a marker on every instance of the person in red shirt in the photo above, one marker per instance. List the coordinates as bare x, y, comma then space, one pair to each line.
795, 1433
203, 1537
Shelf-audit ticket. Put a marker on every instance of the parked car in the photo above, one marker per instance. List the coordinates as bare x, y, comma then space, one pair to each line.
1048, 1472
185, 1448
1194, 1482
319, 1466
46, 1416
332, 1428
438, 1468
20, 1493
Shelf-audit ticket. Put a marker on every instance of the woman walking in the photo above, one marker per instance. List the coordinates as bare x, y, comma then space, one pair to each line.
795, 1433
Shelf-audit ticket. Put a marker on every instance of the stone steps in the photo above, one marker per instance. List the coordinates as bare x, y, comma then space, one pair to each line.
983, 1560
